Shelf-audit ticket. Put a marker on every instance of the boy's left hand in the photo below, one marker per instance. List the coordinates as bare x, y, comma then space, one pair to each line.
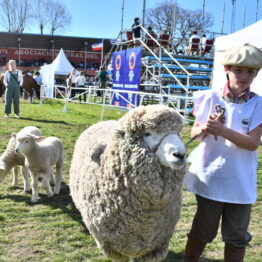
215, 125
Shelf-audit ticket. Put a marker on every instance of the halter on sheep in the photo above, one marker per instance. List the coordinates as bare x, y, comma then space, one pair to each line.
126, 179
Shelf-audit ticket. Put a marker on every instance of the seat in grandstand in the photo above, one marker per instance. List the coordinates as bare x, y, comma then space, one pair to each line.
150, 42
164, 40
208, 47
129, 36
194, 47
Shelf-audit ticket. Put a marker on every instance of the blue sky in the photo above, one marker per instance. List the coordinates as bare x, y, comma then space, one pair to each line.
102, 18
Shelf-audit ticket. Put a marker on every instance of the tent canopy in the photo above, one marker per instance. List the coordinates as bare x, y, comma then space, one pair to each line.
61, 65
252, 35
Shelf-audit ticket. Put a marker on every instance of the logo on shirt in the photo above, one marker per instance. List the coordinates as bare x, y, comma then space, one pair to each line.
245, 123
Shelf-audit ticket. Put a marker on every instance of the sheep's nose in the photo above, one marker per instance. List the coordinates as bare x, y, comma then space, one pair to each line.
17, 151
179, 155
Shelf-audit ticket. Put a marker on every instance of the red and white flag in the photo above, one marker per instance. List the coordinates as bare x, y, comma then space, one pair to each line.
97, 46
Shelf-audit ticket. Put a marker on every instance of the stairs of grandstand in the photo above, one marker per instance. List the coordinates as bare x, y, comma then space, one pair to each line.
177, 75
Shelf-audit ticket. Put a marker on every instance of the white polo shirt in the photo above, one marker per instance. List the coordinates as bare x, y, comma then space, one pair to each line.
220, 170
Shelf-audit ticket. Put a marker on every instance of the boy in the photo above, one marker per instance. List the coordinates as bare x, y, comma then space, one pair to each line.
223, 169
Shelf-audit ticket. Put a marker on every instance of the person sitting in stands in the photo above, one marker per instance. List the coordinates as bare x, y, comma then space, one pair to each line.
203, 43
188, 48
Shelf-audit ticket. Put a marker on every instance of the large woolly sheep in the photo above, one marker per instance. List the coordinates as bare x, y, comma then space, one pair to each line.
10, 160
40, 156
126, 179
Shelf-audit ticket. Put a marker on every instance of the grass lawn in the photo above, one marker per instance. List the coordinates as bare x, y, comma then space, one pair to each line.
52, 230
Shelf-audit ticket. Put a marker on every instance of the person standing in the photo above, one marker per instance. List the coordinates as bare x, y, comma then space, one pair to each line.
13, 80
81, 80
37, 77
73, 82
136, 30
223, 169
102, 75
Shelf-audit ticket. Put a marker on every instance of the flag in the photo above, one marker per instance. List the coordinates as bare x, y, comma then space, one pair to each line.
97, 46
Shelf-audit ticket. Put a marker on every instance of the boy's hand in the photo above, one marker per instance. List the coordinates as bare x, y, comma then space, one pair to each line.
215, 125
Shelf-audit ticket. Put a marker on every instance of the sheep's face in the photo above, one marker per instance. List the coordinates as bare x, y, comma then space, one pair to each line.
24, 144
168, 147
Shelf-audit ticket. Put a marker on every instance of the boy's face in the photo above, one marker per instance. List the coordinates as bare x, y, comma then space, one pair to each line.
240, 77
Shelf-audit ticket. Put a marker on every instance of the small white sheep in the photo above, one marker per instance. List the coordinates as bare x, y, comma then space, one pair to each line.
126, 180
10, 160
40, 156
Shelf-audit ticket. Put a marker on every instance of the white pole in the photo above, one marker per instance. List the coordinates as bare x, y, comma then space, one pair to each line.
102, 53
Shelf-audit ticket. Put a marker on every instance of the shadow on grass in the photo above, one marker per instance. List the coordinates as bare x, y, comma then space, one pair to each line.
62, 201
46, 121
178, 257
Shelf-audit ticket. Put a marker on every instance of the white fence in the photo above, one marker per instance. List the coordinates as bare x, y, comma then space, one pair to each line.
104, 97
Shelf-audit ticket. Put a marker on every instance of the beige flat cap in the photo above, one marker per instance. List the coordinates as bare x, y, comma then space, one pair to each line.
244, 55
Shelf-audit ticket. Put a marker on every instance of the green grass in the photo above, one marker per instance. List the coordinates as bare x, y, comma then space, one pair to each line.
52, 230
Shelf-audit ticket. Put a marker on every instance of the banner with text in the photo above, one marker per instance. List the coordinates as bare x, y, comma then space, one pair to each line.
126, 76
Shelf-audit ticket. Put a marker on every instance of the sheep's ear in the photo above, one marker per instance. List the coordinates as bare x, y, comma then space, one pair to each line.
39, 138
120, 132
14, 135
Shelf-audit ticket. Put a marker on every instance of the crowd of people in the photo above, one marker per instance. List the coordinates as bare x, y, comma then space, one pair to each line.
197, 45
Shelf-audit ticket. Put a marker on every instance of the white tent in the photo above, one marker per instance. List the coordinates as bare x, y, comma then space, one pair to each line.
60, 66
252, 35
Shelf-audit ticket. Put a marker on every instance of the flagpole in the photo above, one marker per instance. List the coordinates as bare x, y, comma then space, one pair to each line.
102, 53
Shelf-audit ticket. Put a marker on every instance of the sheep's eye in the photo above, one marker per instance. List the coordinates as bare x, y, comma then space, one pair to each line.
147, 134
26, 141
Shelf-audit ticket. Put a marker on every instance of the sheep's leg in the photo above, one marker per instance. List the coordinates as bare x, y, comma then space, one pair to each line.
15, 176
115, 256
47, 187
52, 177
58, 177
26, 175
156, 255
34, 184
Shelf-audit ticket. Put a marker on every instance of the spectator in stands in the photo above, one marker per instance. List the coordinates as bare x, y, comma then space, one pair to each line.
203, 43
136, 30
13, 80
192, 48
150, 30
81, 80
72, 82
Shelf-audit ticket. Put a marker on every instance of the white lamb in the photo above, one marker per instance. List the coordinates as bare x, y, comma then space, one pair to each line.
10, 160
39, 159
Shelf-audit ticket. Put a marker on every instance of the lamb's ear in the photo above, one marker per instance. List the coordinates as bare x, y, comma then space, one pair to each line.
39, 138
120, 132
14, 135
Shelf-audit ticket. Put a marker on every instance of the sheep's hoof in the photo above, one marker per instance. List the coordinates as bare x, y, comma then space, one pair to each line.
50, 195
35, 199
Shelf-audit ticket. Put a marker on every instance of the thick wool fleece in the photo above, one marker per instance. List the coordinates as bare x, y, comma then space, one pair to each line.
128, 201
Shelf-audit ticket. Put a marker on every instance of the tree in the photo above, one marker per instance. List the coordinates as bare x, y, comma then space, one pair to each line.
59, 16
41, 13
178, 22
15, 14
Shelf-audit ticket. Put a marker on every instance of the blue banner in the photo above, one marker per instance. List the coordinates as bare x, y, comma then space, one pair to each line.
127, 76
118, 64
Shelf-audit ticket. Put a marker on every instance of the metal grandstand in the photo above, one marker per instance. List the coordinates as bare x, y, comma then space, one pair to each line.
166, 78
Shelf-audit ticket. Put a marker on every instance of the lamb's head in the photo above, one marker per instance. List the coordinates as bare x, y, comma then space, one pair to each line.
159, 128
25, 142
